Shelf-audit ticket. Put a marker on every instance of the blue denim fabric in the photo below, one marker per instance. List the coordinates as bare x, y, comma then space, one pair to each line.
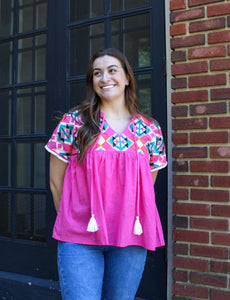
84, 270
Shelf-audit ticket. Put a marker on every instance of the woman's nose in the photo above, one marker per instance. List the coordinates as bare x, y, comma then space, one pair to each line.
105, 77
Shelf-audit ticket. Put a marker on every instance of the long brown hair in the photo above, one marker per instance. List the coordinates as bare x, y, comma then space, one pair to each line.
89, 109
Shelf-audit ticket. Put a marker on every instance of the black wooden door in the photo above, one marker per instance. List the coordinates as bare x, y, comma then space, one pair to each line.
26, 214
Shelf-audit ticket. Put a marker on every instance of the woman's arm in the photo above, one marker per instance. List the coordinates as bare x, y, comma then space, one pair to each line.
57, 174
154, 176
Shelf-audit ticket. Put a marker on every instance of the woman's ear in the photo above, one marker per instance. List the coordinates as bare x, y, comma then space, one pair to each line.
127, 79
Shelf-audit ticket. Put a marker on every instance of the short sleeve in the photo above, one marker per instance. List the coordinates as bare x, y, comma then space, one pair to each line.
62, 141
156, 148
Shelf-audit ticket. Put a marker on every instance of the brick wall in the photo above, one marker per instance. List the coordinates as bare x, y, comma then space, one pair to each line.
200, 44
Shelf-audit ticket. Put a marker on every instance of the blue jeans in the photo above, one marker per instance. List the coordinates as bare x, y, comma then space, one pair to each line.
84, 270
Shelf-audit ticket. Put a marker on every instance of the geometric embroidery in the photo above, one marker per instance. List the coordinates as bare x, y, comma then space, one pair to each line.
156, 147
124, 142
141, 129
65, 133
160, 145
105, 126
148, 139
102, 143
141, 144
151, 147
120, 143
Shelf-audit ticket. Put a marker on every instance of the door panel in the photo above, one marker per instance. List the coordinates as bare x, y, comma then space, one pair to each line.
26, 214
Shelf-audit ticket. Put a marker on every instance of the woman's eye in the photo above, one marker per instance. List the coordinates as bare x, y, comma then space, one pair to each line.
97, 73
112, 70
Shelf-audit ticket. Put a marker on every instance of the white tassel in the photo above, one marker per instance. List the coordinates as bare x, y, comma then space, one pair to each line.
92, 226
137, 227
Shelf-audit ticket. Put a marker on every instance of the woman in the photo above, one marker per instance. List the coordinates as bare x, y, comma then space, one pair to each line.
105, 156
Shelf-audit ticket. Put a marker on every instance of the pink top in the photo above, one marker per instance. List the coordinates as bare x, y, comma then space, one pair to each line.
114, 184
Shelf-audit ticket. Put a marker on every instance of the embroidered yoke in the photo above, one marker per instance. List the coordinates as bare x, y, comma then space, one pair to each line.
113, 185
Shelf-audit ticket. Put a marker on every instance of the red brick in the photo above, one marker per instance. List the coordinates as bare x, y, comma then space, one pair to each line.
179, 83
191, 236
221, 210
220, 152
177, 56
190, 291
220, 64
220, 295
184, 124
207, 25
177, 4
191, 264
180, 111
209, 224
220, 267
210, 195
189, 68
209, 166
180, 194
190, 14
187, 41
219, 37
228, 49
207, 279
180, 249
179, 138
209, 251
221, 239
189, 96
219, 123
218, 10
190, 180
220, 94
180, 275
207, 52
177, 29
191, 209
180, 222
201, 2
207, 80
190, 152
209, 137
180, 166
208, 108
220, 181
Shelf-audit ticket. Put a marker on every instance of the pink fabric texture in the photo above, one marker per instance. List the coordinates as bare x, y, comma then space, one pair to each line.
114, 183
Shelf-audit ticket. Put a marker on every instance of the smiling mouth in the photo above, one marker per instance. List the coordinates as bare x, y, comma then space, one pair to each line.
108, 87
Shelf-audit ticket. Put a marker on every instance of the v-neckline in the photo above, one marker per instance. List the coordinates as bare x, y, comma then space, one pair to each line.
119, 135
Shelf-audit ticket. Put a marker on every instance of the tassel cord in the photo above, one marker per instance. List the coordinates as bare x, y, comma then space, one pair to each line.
137, 230
92, 225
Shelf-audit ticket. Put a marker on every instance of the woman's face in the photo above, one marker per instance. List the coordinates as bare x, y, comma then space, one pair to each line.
109, 79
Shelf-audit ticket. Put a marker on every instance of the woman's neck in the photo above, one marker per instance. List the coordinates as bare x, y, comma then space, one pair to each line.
115, 111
